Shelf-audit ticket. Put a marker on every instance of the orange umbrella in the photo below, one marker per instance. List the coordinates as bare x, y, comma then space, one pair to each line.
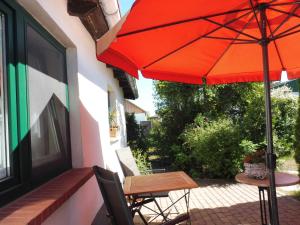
217, 41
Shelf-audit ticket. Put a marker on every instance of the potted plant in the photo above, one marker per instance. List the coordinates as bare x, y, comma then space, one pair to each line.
113, 125
255, 166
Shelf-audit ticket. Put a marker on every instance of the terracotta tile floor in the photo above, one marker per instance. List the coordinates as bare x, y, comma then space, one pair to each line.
229, 204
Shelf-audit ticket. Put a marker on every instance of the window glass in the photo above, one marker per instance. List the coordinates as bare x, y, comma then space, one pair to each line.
4, 150
48, 102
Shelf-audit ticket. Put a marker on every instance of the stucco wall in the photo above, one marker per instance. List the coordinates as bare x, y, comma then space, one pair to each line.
88, 81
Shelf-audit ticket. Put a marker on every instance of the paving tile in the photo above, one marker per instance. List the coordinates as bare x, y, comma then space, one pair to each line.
228, 204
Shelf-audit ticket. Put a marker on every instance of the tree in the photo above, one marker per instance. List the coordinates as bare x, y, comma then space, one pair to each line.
184, 109
135, 135
177, 105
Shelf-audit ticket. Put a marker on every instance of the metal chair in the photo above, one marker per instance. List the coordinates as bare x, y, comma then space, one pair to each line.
115, 202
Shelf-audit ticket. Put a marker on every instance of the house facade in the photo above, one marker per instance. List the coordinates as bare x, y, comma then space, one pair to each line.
55, 101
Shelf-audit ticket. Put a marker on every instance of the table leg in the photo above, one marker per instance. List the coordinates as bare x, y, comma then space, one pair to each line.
135, 207
187, 194
263, 207
269, 203
161, 212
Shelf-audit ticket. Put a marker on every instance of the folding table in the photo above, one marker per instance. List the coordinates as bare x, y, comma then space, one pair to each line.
153, 183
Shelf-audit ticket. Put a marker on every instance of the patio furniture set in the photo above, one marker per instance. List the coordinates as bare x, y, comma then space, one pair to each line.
138, 190
123, 203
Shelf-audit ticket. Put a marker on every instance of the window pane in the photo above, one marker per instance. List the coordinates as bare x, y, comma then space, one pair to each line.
48, 103
4, 150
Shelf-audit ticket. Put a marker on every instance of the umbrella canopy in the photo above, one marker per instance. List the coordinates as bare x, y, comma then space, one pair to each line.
217, 41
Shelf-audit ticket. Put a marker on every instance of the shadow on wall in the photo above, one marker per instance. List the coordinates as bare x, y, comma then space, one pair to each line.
92, 152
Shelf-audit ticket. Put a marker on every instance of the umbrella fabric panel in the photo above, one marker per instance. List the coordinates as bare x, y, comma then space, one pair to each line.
219, 41
172, 76
290, 49
193, 60
147, 14
160, 42
243, 63
118, 60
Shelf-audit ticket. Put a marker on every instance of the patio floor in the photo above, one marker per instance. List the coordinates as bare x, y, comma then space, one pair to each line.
229, 204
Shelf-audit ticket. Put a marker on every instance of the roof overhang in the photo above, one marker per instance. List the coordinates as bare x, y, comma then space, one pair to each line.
98, 16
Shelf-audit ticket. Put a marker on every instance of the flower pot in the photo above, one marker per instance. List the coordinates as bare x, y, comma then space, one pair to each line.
256, 170
113, 132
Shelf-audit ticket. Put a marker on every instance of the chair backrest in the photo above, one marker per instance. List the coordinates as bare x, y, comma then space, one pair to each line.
113, 195
127, 161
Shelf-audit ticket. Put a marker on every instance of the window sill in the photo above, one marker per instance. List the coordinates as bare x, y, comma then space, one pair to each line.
38, 205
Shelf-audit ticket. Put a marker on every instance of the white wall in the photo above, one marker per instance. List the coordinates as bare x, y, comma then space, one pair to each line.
88, 83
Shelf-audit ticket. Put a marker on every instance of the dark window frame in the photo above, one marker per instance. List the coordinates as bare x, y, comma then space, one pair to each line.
16, 19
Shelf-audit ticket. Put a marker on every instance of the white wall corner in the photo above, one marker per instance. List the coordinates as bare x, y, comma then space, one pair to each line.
75, 126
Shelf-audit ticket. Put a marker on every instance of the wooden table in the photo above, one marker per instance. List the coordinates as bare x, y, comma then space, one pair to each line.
281, 180
160, 182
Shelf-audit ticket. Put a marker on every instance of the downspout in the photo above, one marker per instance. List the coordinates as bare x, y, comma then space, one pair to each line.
111, 11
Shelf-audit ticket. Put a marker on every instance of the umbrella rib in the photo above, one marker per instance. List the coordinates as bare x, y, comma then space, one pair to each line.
244, 42
286, 19
286, 3
179, 22
232, 29
193, 41
286, 32
253, 10
276, 46
232, 39
226, 49
284, 12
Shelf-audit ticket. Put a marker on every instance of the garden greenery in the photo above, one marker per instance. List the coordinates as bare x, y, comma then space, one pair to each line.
215, 145
207, 130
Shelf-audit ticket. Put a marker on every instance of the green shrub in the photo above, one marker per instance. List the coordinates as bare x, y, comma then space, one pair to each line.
142, 162
215, 146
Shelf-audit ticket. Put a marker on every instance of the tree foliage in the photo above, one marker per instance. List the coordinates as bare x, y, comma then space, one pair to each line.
200, 124
177, 105
215, 146
135, 135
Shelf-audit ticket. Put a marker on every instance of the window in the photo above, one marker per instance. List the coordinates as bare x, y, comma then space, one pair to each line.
48, 104
34, 108
4, 152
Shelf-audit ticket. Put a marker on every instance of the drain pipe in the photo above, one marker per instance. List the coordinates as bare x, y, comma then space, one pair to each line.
111, 11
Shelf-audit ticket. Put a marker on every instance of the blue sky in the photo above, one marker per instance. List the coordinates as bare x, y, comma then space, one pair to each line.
145, 99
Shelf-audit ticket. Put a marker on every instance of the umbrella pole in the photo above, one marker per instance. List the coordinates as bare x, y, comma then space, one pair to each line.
271, 157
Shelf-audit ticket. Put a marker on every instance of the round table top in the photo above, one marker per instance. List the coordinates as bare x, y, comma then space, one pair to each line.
281, 180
